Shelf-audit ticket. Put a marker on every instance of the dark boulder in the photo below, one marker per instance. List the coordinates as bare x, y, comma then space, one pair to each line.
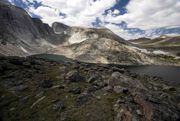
74, 76
46, 84
58, 105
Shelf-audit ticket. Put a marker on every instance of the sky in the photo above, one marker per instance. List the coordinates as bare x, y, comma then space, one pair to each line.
129, 19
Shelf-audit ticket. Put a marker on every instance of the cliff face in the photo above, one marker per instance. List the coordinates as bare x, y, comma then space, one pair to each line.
19, 35
16, 23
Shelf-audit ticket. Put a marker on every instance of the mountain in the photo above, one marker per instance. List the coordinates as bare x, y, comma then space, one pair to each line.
97, 46
18, 33
21, 35
164, 43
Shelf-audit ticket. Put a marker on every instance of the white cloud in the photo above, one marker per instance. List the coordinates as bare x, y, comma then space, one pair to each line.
144, 14
150, 14
78, 12
122, 33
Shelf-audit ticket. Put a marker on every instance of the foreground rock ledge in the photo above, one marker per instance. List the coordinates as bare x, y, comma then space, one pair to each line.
34, 89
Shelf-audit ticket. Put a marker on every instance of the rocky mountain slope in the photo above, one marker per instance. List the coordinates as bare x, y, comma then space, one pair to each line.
22, 35
97, 46
164, 43
36, 89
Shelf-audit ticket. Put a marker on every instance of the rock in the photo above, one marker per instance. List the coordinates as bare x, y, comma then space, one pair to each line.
133, 75
20, 87
74, 76
120, 100
82, 99
16, 60
139, 112
99, 84
91, 89
92, 79
120, 70
27, 64
108, 88
75, 90
114, 79
120, 89
46, 83
168, 88
58, 105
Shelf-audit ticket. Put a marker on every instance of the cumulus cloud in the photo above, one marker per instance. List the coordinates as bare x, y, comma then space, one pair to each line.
122, 33
77, 12
146, 15
150, 14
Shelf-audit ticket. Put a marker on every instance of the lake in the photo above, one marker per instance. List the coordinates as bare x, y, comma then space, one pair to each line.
168, 73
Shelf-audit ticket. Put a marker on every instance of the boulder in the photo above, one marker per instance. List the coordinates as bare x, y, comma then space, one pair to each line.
120, 89
46, 84
74, 76
58, 105
82, 99
114, 79
75, 90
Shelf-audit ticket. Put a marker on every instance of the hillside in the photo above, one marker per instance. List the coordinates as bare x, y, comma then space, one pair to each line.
164, 43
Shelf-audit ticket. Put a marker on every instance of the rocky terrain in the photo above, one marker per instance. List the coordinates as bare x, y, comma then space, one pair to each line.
39, 89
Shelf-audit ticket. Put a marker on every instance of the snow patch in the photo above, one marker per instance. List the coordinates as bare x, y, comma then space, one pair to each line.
45, 43
142, 50
77, 38
156, 52
24, 50
159, 52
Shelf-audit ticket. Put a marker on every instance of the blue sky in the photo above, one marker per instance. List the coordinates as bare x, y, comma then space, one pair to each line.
127, 18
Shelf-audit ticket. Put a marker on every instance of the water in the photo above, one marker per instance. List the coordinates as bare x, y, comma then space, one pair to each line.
168, 73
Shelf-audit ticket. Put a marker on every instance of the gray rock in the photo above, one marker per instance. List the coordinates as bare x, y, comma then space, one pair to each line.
92, 79
75, 90
82, 99
58, 105
20, 87
91, 89
74, 76
114, 79
120, 89
139, 112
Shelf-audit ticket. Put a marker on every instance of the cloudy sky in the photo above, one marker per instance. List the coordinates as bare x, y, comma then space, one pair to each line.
127, 18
